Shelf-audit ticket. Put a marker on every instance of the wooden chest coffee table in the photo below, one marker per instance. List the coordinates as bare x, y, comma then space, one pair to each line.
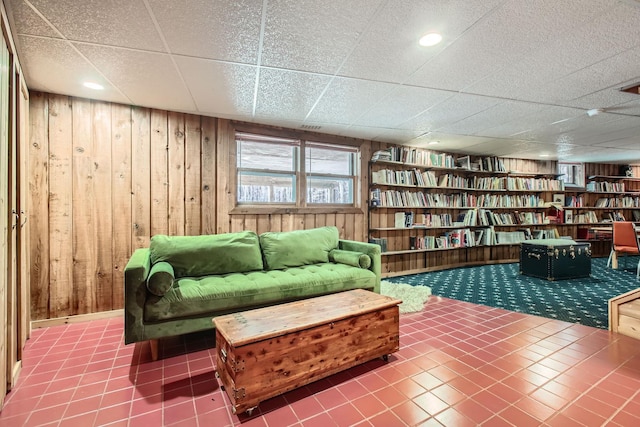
268, 351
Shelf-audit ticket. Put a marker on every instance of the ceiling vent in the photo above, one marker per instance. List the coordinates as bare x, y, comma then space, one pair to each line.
635, 89
310, 127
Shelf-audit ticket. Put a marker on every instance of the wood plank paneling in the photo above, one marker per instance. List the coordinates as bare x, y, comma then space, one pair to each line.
159, 173
121, 196
176, 181
141, 179
85, 254
60, 207
38, 204
192, 177
103, 208
208, 176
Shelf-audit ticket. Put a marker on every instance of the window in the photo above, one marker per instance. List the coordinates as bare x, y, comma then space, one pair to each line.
571, 173
295, 172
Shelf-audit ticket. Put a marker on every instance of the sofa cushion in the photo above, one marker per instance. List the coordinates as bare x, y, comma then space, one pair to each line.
354, 259
296, 248
208, 254
192, 296
160, 278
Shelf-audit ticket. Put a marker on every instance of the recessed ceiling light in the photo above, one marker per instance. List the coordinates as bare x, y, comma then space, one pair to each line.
430, 39
544, 155
92, 85
434, 142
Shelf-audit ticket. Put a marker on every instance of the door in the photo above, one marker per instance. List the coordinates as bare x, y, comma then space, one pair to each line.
5, 210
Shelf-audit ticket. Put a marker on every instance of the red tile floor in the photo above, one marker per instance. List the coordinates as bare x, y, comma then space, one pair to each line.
459, 364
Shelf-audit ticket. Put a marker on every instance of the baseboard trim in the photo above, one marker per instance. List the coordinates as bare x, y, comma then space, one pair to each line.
45, 323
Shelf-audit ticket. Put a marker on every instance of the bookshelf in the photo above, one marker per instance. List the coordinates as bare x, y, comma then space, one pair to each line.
433, 211
422, 205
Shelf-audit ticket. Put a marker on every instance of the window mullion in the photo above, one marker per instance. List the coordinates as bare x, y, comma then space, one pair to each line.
301, 175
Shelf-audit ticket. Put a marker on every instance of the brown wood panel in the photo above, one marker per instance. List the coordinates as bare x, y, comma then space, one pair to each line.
60, 207
141, 177
192, 176
224, 181
264, 222
176, 175
159, 173
38, 205
85, 253
122, 205
208, 173
102, 209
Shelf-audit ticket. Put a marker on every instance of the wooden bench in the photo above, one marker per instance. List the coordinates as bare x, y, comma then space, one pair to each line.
265, 352
624, 314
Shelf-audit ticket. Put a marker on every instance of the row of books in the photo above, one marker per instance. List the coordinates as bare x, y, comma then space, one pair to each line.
605, 187
429, 179
479, 217
574, 201
490, 164
534, 184
395, 198
466, 238
414, 156
618, 202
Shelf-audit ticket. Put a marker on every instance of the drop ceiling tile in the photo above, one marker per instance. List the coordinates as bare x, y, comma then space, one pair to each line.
389, 50
447, 142
314, 36
288, 94
453, 110
605, 98
401, 103
618, 24
495, 116
397, 136
220, 89
48, 64
528, 78
123, 23
227, 30
26, 21
161, 87
597, 77
345, 99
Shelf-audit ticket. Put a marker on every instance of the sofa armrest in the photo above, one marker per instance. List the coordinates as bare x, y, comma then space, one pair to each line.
135, 294
366, 248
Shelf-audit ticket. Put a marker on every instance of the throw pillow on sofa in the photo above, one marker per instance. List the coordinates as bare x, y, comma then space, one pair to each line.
300, 247
354, 259
160, 278
209, 254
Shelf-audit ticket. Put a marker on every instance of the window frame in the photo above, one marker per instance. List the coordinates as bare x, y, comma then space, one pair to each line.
576, 167
300, 206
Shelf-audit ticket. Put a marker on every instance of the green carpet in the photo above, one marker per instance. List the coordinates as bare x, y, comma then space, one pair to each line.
581, 301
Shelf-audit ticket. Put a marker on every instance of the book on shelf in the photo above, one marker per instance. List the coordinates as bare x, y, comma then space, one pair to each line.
464, 162
636, 215
382, 242
384, 155
551, 233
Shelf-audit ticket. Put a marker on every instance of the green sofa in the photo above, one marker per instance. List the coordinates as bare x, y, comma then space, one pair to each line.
180, 283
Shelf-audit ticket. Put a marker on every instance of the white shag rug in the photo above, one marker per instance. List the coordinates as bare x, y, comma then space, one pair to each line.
413, 297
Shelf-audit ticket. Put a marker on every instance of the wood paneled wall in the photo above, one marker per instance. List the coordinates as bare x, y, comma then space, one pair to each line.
106, 177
